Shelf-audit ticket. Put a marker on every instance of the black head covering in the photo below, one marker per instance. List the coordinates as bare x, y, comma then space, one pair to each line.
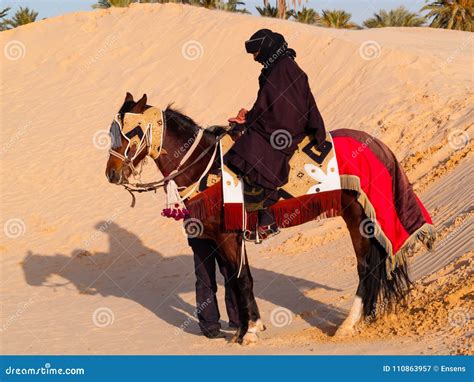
271, 47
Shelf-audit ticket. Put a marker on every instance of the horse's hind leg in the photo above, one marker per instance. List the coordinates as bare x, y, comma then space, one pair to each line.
353, 215
255, 323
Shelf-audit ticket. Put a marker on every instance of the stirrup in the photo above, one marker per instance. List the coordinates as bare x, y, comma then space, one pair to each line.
261, 233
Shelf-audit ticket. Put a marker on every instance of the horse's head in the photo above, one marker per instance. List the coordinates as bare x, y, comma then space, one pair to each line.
135, 133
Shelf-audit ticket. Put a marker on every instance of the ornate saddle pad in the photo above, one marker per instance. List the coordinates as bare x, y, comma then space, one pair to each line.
313, 170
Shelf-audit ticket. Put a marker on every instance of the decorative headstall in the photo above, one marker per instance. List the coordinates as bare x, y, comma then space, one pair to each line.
141, 131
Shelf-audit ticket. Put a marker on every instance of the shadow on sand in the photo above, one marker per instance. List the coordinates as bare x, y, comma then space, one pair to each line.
131, 270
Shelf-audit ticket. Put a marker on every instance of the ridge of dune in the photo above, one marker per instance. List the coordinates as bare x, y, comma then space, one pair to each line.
81, 248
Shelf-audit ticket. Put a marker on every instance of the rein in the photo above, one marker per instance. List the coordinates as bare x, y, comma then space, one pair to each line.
152, 186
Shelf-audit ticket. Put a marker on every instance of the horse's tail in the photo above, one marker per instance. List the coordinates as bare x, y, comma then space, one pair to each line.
382, 289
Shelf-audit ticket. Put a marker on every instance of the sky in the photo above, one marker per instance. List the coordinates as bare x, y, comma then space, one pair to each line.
360, 9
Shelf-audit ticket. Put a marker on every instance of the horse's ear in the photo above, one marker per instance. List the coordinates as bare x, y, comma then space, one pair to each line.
128, 103
128, 98
140, 105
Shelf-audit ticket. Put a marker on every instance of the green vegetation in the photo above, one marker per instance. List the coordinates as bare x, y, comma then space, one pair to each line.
21, 17
450, 14
447, 14
306, 16
230, 5
337, 19
398, 17
269, 11
112, 3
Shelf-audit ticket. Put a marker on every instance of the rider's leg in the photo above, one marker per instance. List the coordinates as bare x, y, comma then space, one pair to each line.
260, 199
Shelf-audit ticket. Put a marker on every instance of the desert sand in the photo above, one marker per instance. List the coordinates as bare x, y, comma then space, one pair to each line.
83, 273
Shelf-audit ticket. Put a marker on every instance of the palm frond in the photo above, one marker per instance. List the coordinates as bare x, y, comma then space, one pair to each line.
337, 18
398, 17
450, 14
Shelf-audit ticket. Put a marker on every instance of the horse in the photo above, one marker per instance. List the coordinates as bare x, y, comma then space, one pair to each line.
376, 287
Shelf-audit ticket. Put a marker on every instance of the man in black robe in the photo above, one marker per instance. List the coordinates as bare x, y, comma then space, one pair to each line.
283, 114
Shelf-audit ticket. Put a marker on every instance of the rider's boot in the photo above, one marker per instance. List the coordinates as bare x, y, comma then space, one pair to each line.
266, 227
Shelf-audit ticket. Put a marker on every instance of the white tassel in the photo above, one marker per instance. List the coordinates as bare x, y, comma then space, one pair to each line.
175, 207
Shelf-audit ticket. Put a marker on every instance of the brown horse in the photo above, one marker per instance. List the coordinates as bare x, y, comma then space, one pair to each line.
375, 285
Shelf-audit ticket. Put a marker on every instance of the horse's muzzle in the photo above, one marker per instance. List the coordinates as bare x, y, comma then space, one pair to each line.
114, 176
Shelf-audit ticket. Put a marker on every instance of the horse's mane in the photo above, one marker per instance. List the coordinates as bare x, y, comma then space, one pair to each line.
183, 121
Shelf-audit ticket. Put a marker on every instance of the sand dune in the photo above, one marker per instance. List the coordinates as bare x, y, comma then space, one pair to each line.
84, 273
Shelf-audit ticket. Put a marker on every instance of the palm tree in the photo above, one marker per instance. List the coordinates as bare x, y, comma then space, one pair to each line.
281, 9
21, 17
267, 11
3, 14
399, 17
232, 6
337, 19
112, 3
229, 6
306, 16
450, 14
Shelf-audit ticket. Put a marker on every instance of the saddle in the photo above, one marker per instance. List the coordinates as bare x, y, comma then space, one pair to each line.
313, 178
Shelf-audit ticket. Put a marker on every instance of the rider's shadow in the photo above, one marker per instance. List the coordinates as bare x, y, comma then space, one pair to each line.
132, 270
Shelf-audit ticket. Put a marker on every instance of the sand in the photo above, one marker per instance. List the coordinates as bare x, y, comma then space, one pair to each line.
83, 273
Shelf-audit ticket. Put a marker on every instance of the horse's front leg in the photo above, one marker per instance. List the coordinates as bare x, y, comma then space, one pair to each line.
255, 323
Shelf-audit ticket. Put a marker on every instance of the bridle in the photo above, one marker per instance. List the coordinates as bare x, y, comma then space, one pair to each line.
138, 139
152, 139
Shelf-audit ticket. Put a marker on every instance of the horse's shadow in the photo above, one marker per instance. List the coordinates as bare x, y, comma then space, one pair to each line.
131, 270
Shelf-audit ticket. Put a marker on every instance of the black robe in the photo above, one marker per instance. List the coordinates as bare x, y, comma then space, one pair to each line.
284, 102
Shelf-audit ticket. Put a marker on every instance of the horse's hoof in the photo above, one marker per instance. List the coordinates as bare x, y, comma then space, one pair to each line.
345, 331
235, 339
250, 339
260, 325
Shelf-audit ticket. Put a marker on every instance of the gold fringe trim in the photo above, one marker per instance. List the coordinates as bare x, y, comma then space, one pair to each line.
426, 233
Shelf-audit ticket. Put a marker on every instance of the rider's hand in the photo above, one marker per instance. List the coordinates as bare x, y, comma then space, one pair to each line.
241, 117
